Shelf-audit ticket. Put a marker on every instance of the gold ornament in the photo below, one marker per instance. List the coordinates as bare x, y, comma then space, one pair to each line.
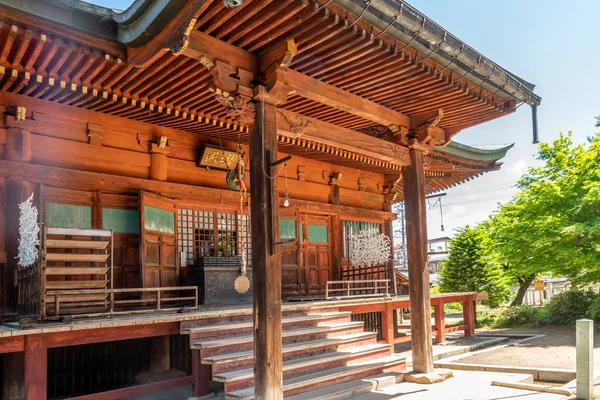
241, 284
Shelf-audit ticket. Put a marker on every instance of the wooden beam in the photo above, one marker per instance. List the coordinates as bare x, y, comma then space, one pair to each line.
266, 257
138, 390
292, 125
201, 44
12, 344
330, 95
36, 367
413, 181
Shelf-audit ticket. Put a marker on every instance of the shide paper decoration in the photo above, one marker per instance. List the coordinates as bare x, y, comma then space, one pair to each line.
369, 247
28, 233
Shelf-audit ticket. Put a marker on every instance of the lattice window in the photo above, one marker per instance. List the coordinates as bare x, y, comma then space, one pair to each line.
208, 232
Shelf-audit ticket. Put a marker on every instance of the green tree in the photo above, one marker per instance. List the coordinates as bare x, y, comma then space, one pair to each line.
552, 226
473, 266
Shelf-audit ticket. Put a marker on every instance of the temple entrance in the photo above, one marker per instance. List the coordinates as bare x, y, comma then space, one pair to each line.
306, 262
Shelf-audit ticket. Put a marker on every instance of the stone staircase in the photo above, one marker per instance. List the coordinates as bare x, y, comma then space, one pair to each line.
320, 349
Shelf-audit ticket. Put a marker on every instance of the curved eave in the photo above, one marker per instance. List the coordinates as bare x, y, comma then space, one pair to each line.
475, 153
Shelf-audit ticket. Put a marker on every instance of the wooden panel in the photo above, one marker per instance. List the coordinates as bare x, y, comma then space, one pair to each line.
68, 215
78, 284
72, 257
158, 220
76, 270
121, 221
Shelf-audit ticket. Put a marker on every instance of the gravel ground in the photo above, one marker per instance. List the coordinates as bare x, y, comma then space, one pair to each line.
555, 350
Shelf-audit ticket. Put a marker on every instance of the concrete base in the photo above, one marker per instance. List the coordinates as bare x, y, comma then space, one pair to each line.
437, 376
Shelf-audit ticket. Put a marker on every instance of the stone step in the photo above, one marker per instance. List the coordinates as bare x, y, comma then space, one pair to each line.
212, 347
240, 379
244, 326
348, 390
304, 383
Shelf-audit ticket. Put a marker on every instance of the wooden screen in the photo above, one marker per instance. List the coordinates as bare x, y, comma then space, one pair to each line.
351, 272
159, 241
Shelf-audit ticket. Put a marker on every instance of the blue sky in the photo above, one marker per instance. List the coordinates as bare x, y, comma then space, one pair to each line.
552, 44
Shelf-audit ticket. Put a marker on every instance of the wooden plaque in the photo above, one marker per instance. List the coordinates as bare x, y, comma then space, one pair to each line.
215, 157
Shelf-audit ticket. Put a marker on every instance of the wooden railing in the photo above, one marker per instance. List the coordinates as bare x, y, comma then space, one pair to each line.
358, 288
120, 301
388, 328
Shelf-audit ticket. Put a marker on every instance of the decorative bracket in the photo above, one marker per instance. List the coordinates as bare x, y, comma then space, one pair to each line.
425, 134
238, 107
180, 42
94, 132
19, 119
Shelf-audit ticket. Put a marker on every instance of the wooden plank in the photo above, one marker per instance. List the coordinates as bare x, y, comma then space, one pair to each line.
110, 334
70, 298
36, 366
78, 232
74, 257
293, 125
201, 44
138, 390
266, 272
57, 285
76, 270
413, 181
330, 95
12, 344
76, 244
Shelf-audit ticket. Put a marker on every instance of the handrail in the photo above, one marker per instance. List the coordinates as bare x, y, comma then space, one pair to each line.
375, 286
109, 302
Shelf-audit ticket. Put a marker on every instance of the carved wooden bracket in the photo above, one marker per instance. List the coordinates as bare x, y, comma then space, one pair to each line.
228, 78
425, 134
180, 41
94, 132
160, 144
335, 178
20, 120
361, 184
238, 107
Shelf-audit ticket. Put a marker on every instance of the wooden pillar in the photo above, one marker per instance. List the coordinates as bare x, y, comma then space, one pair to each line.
160, 356
159, 167
266, 259
387, 325
13, 371
440, 322
36, 366
469, 317
413, 181
337, 244
201, 375
388, 228
18, 148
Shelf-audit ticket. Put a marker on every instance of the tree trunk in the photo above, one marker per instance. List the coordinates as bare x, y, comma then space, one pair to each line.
524, 284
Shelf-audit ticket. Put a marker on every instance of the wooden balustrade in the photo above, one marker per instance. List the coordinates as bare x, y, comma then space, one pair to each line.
358, 288
389, 327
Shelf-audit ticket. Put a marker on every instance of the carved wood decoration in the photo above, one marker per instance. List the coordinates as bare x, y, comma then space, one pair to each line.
94, 132
238, 107
296, 125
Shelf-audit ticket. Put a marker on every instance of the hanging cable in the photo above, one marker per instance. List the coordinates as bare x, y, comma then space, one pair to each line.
391, 22
368, 3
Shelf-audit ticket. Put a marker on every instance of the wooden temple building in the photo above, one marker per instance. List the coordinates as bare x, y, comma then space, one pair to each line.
175, 145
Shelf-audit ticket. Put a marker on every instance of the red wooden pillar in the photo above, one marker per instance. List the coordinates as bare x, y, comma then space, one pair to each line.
387, 325
201, 375
440, 323
36, 366
266, 258
469, 317
413, 181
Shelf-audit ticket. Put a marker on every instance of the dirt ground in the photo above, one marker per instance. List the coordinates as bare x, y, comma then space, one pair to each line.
555, 350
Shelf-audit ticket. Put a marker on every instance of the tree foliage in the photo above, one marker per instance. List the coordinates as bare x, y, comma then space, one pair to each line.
552, 226
473, 266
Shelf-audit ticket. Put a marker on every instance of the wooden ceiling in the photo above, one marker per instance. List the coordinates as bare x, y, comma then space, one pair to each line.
39, 61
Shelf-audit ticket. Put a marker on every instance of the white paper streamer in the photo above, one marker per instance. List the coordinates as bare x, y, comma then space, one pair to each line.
369, 248
28, 233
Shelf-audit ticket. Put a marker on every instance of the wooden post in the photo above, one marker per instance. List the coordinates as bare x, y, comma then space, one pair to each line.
413, 181
389, 232
36, 366
387, 325
440, 323
469, 317
266, 259
201, 375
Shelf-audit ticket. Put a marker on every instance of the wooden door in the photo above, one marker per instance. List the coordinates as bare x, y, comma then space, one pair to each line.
306, 264
159, 241
316, 251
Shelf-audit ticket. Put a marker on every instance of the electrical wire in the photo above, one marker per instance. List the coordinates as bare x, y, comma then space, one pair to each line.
262, 139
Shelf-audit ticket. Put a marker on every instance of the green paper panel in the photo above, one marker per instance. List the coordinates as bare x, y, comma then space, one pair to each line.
158, 220
68, 216
121, 221
287, 229
317, 234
